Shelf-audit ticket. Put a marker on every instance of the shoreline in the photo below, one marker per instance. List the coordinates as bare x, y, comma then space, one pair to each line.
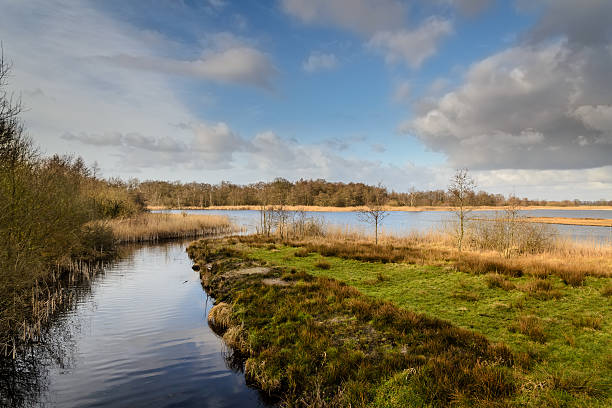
314, 208
588, 222
366, 317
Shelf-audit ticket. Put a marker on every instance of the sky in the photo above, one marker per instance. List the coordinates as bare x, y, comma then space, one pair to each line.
391, 91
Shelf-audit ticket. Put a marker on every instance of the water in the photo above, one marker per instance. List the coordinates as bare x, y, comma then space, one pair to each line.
404, 222
140, 338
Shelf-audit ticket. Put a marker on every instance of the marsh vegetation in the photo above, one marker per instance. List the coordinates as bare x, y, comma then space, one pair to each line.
553, 328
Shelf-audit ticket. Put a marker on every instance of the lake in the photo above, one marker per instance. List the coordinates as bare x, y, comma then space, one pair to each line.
403, 222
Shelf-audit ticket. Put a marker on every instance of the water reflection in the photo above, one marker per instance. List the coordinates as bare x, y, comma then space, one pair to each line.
136, 336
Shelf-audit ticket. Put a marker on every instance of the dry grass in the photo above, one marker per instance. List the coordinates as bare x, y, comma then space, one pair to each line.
588, 322
495, 280
158, 227
596, 222
220, 316
570, 261
323, 264
532, 327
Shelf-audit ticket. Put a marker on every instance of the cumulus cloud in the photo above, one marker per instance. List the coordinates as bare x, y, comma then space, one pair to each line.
318, 61
382, 22
411, 46
360, 16
544, 106
211, 145
237, 63
586, 23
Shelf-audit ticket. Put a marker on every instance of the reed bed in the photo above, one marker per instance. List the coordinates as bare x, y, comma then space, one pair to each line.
158, 227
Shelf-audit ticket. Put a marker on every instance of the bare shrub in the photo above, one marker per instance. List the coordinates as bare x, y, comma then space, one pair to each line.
509, 233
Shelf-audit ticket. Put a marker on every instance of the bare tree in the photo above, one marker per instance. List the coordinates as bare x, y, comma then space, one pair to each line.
461, 192
412, 195
375, 213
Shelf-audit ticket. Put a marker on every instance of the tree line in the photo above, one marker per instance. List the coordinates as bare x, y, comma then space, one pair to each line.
313, 193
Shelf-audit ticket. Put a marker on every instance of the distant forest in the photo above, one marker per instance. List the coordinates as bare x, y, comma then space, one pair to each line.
310, 192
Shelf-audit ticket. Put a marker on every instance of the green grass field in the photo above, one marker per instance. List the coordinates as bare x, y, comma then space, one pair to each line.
566, 331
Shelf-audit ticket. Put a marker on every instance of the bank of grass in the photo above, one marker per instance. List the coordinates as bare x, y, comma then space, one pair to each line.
560, 333
153, 227
570, 261
314, 341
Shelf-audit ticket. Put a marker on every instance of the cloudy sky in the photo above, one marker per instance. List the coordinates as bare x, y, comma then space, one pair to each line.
402, 92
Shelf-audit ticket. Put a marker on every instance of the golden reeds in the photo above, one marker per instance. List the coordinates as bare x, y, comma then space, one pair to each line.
158, 227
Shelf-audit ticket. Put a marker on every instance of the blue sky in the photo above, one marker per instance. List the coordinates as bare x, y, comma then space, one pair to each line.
401, 92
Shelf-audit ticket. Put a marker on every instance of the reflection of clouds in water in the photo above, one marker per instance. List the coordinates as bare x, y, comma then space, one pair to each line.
141, 338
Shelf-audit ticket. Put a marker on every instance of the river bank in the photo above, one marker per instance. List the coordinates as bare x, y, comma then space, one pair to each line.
285, 306
599, 220
38, 295
317, 342
135, 336
593, 222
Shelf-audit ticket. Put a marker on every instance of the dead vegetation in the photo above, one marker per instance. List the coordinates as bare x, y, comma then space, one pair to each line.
154, 227
571, 262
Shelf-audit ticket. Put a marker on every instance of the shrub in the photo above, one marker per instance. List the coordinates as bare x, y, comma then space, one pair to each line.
322, 264
301, 253
495, 280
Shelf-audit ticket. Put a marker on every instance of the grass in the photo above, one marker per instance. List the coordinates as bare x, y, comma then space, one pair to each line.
315, 341
553, 327
153, 227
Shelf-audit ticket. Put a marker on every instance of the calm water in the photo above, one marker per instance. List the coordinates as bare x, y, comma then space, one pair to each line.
140, 338
403, 222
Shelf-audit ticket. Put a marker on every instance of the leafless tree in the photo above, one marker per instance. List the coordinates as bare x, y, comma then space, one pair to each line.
412, 195
461, 192
375, 213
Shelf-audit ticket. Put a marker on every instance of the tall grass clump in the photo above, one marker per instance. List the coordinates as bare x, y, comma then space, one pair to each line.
160, 226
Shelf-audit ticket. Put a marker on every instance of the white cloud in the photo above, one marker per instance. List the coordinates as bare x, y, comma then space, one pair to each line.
320, 62
542, 106
244, 65
402, 92
411, 46
597, 117
361, 16
383, 22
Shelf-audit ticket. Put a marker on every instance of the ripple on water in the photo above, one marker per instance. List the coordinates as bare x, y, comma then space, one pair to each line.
141, 339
